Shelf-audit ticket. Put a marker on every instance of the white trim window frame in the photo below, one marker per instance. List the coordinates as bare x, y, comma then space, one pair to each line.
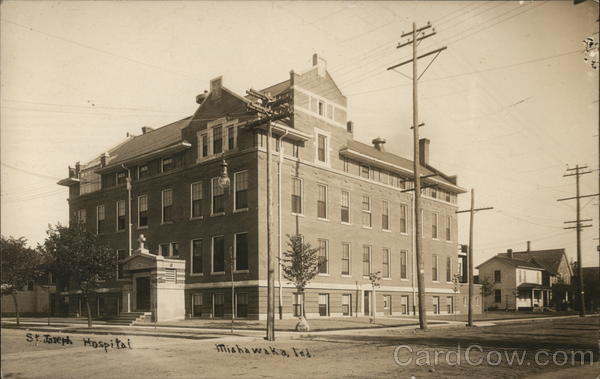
345, 207
404, 218
204, 145
449, 228
216, 194
212, 255
322, 151
196, 199
121, 211
385, 216
403, 265
240, 179
193, 256
366, 212
448, 269
386, 263
322, 196
346, 259
231, 137
367, 253
435, 268
435, 233
217, 134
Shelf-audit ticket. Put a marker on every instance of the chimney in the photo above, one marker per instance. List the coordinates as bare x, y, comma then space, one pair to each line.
378, 143
509, 252
104, 159
215, 87
146, 129
320, 63
528, 246
200, 98
424, 151
350, 127
77, 169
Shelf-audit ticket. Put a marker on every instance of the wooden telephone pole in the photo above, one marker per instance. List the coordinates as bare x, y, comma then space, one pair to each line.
471, 211
269, 110
578, 226
416, 36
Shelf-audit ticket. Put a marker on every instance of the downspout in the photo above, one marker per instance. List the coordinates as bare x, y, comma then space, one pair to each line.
128, 209
279, 223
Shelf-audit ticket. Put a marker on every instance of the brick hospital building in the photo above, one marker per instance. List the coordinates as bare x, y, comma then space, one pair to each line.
343, 196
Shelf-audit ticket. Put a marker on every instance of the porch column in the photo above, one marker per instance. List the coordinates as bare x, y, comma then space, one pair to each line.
532, 295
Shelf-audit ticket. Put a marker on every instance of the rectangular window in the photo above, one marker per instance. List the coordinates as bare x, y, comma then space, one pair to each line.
217, 139
204, 138
121, 215
219, 301
386, 263
231, 134
434, 193
450, 304
321, 108
241, 303
404, 304
167, 205
403, 264
143, 211
295, 149
345, 258
174, 249
241, 190
100, 219
218, 197
297, 195
448, 269
345, 164
436, 305
80, 217
196, 196
387, 305
164, 249
241, 251
497, 296
434, 225
434, 268
322, 148
218, 254
143, 171
385, 215
121, 177
366, 211
346, 305
364, 171
196, 257
323, 256
345, 207
197, 305
366, 259
448, 228
121, 254
322, 201
403, 218
323, 304
497, 276
167, 164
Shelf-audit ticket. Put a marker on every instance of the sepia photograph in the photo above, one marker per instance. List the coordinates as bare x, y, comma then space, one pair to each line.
300, 189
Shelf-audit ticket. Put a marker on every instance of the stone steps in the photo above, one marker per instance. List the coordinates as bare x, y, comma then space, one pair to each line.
128, 318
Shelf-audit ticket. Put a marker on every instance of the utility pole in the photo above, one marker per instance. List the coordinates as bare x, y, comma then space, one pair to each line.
471, 212
269, 110
578, 226
417, 35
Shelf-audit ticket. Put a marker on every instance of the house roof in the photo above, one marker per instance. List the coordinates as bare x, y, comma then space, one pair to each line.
396, 160
514, 262
152, 140
548, 259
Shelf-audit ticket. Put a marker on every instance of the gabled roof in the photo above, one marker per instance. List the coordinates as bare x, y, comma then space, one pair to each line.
548, 259
396, 160
513, 262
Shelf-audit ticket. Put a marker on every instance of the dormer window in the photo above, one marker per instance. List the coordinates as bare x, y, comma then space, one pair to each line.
121, 177
143, 171
217, 139
167, 164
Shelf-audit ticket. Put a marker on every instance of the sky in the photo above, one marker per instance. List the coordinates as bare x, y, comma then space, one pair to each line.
508, 107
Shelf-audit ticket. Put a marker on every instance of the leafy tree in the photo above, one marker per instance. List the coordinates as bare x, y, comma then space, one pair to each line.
302, 264
78, 256
20, 265
487, 288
